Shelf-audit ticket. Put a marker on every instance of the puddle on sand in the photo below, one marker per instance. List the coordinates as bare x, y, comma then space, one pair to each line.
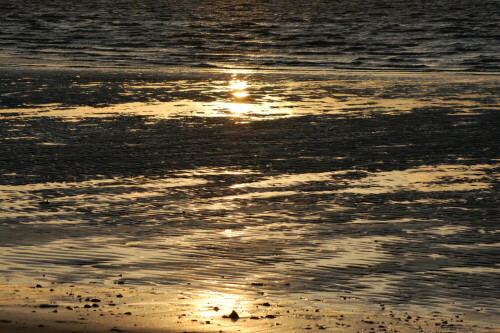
426, 179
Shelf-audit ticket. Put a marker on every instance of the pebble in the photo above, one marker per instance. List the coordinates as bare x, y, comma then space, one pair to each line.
234, 315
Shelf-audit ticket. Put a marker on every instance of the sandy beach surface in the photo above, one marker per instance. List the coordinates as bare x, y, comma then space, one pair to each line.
162, 201
94, 308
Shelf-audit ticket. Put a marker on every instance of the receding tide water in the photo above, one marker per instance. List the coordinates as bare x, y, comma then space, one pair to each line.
246, 151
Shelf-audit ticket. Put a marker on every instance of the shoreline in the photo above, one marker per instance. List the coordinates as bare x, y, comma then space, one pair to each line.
296, 71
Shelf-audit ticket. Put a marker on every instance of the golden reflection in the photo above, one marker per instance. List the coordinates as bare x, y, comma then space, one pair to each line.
240, 94
238, 85
238, 88
232, 233
215, 304
238, 108
426, 178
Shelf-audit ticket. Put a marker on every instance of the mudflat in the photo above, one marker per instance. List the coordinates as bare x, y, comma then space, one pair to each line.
150, 201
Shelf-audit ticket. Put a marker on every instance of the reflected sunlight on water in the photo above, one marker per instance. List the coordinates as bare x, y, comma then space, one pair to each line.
211, 304
238, 89
238, 85
426, 179
249, 96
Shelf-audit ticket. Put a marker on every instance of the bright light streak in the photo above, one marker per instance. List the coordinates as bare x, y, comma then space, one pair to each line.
238, 85
240, 94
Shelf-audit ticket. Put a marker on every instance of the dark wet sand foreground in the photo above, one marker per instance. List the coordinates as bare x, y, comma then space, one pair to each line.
158, 202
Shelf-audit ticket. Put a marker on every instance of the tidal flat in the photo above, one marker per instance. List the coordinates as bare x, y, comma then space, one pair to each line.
302, 200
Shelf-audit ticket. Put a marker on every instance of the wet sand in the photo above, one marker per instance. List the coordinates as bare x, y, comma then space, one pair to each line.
303, 201
91, 308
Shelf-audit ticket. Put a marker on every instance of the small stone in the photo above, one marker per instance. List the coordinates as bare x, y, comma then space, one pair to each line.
266, 304
234, 315
216, 308
86, 306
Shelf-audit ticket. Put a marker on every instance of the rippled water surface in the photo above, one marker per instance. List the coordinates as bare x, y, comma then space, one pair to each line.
382, 34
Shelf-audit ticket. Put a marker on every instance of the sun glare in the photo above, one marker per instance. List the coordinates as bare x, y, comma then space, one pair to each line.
238, 108
240, 94
222, 303
238, 85
238, 88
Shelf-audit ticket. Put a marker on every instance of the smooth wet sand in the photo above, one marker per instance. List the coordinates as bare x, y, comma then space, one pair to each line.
371, 198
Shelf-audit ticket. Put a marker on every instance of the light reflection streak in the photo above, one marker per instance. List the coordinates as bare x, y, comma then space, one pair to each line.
215, 304
232, 233
238, 85
240, 94
238, 108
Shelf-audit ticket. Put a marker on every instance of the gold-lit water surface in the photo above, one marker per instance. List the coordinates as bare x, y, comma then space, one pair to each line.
245, 95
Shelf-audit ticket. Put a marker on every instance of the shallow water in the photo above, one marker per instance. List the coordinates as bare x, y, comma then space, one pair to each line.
352, 188
340, 34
